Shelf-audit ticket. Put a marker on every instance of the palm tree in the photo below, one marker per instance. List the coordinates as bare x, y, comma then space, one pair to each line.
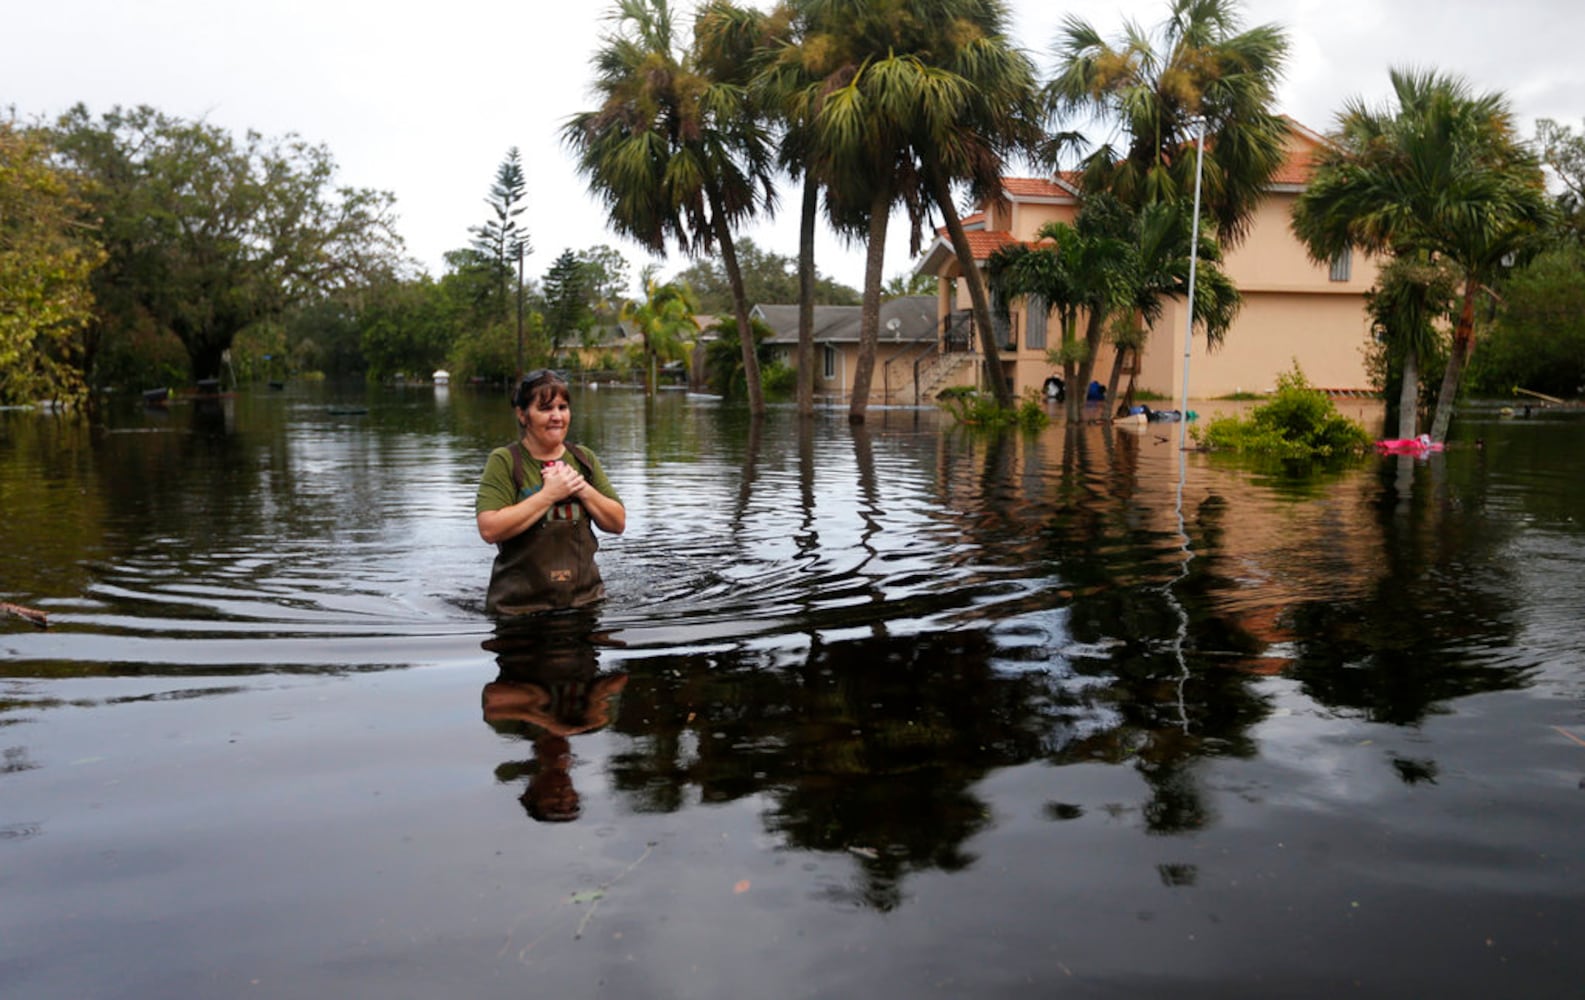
664, 317
973, 100
1443, 175
827, 76
1157, 90
1412, 292
676, 149
1112, 260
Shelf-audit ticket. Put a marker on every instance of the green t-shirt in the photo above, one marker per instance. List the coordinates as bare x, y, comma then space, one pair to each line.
495, 486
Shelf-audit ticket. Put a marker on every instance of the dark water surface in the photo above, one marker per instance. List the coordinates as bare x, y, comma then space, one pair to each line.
895, 711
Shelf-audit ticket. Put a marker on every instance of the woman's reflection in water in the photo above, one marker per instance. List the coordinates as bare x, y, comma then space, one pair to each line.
549, 687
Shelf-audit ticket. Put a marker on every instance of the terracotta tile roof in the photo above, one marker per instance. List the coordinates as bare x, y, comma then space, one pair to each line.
1035, 187
983, 243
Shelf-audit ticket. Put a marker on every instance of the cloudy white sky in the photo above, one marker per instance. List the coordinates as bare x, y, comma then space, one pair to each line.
423, 100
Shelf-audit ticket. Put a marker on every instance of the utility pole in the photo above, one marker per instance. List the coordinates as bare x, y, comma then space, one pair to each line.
519, 315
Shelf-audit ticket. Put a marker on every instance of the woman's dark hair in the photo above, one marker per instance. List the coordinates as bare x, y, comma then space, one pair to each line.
538, 386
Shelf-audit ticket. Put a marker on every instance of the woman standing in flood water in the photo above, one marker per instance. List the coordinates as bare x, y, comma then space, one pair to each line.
537, 500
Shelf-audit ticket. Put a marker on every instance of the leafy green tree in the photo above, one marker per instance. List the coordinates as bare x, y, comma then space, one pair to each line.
207, 233
45, 263
676, 149
768, 277
407, 328
1439, 174
1563, 152
605, 274
566, 292
1198, 69
323, 337
1538, 339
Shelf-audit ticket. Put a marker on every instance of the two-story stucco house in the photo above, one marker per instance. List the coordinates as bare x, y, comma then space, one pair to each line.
1293, 309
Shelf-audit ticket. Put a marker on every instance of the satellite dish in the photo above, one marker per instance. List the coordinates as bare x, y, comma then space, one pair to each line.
894, 324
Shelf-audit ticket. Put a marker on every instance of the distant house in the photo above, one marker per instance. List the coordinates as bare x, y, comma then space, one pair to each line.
909, 355
1293, 309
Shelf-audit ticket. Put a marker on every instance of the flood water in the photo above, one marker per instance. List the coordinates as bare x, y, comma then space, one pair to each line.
889, 711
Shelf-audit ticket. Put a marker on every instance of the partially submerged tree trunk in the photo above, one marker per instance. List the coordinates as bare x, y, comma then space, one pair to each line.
870, 308
941, 192
806, 297
1409, 394
734, 276
1094, 327
1458, 357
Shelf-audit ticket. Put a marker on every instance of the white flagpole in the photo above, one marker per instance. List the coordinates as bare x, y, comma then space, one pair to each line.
1194, 258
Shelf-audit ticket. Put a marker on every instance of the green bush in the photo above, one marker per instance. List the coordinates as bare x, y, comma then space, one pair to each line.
1299, 421
976, 409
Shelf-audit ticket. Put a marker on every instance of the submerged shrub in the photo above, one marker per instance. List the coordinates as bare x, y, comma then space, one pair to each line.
974, 408
1299, 421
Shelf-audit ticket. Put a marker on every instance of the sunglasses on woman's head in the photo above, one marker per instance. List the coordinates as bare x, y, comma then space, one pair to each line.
530, 382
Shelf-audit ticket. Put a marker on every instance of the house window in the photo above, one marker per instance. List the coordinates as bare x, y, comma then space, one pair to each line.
1035, 329
1343, 265
830, 355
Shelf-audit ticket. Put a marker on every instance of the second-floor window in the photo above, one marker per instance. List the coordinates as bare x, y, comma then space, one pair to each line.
1035, 330
1343, 265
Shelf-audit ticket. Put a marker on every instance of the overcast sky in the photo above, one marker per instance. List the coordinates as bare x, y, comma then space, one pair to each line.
424, 100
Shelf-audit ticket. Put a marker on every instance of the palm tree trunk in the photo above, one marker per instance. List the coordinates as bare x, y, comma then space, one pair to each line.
806, 297
941, 192
734, 277
870, 309
1094, 327
1409, 393
1117, 371
1463, 342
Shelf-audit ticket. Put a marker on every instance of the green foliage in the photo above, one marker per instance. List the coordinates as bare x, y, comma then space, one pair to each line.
768, 278
566, 293
323, 337
490, 352
1439, 175
908, 283
1563, 151
258, 352
665, 319
723, 359
45, 263
500, 240
973, 408
1538, 339
408, 328
779, 379
207, 232
1298, 422
1196, 70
